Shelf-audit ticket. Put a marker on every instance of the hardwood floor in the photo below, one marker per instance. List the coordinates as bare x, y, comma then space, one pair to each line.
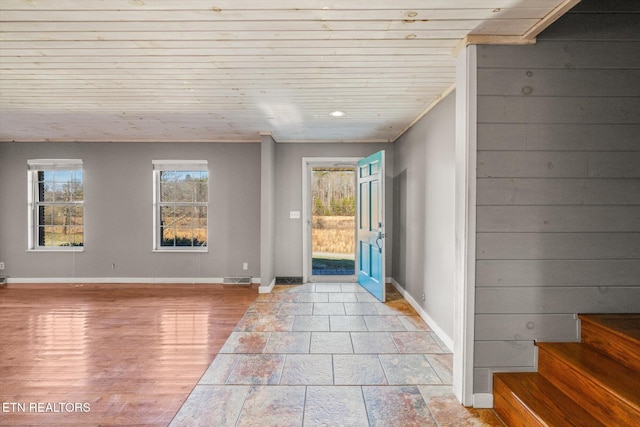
109, 354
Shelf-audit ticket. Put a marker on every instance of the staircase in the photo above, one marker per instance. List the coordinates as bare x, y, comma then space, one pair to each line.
592, 383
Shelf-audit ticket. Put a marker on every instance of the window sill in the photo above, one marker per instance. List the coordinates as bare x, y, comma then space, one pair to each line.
182, 251
72, 249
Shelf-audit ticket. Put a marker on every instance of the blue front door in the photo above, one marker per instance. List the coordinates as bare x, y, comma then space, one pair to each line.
370, 227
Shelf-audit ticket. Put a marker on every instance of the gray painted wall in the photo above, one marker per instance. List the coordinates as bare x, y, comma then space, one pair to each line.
118, 211
289, 197
424, 213
558, 190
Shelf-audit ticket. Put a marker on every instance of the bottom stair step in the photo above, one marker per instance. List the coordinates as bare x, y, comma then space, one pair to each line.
610, 390
527, 399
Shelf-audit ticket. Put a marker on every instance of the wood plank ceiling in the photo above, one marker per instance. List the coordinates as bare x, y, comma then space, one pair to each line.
226, 70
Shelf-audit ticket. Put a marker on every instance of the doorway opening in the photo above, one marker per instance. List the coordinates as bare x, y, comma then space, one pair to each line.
333, 220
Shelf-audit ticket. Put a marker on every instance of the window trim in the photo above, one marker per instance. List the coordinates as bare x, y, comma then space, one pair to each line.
33, 166
175, 165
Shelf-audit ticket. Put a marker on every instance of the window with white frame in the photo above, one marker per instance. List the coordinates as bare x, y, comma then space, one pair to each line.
181, 200
56, 204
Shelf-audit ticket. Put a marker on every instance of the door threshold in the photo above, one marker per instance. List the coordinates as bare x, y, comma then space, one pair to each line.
333, 279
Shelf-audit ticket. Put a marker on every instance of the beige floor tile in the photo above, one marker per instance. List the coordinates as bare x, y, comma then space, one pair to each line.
335, 406
331, 342
358, 369
347, 323
373, 343
273, 406
311, 323
307, 369
329, 308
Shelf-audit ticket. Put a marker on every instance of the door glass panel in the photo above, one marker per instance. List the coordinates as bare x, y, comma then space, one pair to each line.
333, 220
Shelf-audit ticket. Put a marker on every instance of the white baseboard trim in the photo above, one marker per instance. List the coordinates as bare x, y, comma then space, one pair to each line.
146, 280
267, 289
446, 339
483, 400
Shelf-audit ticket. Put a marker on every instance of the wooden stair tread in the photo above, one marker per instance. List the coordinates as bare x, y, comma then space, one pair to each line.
545, 402
618, 379
625, 325
615, 335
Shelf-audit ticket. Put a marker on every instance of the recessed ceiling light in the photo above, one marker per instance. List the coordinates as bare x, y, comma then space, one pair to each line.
337, 113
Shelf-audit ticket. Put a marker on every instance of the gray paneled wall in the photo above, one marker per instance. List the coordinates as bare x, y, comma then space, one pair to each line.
558, 188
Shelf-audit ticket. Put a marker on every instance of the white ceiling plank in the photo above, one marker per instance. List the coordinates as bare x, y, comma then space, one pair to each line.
204, 45
295, 14
218, 61
191, 39
225, 70
261, 30
224, 5
289, 21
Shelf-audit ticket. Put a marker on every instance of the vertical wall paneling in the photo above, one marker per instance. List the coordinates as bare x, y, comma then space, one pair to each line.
558, 185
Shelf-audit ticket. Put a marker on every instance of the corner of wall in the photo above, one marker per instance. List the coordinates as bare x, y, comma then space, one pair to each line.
267, 289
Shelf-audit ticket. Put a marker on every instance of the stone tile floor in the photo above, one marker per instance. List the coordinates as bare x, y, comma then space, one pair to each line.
329, 355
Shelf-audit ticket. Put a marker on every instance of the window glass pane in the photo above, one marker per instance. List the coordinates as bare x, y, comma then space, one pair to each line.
167, 191
167, 186
45, 216
167, 176
45, 191
45, 176
75, 186
75, 215
61, 175
200, 226
168, 237
185, 188
76, 236
43, 236
183, 219
167, 217
167, 226
57, 235
202, 195
60, 214
58, 210
184, 237
62, 193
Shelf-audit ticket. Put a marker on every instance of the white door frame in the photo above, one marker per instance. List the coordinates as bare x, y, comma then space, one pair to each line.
307, 164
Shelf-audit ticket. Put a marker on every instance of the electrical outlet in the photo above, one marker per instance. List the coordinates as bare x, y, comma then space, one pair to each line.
1, 265
422, 297
245, 266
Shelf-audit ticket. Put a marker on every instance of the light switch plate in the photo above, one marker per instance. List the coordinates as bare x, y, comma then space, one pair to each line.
294, 214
